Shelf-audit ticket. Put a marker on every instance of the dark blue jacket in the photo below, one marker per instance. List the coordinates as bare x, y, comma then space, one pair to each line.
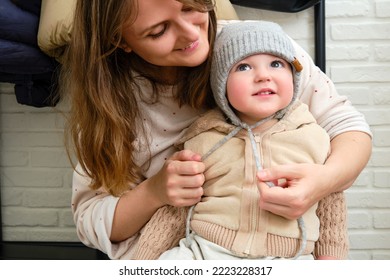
21, 61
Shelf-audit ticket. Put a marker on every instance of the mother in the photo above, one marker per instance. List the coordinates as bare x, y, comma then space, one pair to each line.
137, 74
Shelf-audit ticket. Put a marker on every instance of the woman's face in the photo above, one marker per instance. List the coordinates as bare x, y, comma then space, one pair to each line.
167, 33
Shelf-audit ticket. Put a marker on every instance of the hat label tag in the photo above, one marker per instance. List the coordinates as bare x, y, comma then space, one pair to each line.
297, 65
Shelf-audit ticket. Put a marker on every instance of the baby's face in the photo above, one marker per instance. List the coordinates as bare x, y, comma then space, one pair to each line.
258, 86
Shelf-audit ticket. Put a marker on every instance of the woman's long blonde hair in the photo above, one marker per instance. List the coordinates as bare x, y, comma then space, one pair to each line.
96, 78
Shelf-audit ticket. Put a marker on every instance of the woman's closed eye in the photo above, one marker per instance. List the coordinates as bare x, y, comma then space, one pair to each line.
158, 32
187, 9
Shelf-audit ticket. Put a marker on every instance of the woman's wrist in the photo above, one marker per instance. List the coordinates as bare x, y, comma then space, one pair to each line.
150, 194
133, 211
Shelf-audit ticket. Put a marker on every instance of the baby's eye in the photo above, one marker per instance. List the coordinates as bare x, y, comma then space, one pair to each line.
277, 64
243, 67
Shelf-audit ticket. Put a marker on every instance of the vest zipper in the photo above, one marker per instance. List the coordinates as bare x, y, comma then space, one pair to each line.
254, 205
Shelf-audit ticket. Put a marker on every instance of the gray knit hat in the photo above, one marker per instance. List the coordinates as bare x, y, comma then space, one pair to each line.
242, 39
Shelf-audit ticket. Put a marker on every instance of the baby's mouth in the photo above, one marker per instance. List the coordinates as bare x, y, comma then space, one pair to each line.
263, 93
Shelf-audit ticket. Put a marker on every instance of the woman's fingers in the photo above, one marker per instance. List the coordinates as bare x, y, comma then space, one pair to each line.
180, 180
288, 171
296, 191
186, 155
186, 196
280, 201
184, 167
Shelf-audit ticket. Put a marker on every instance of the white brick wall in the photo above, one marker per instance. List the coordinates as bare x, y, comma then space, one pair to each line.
358, 61
35, 172
36, 175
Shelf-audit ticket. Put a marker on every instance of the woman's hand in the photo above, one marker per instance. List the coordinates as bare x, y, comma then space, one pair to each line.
308, 183
178, 183
304, 185
180, 180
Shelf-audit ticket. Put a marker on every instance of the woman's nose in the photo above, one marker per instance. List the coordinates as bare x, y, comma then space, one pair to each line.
187, 30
